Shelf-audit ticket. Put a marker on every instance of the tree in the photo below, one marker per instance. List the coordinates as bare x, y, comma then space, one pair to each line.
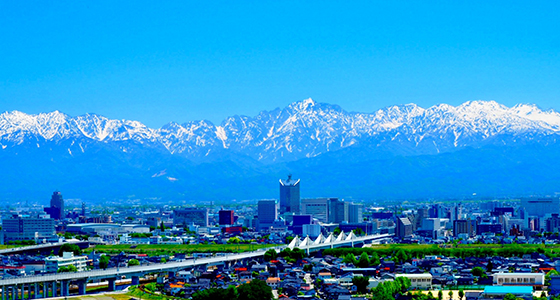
400, 256
69, 248
477, 271
255, 290
363, 262
104, 261
216, 294
450, 294
234, 240
510, 296
374, 261
461, 294
489, 267
133, 262
361, 283
69, 268
440, 295
350, 259
162, 226
270, 254
337, 231
358, 231
548, 275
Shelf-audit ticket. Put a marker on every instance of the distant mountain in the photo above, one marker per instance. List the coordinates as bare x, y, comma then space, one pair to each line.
93, 156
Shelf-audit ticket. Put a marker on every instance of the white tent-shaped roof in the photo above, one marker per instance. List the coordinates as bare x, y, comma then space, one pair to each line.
329, 239
341, 237
306, 242
294, 243
319, 240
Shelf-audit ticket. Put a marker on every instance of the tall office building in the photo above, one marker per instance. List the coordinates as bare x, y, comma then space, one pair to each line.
318, 208
56, 210
539, 207
355, 213
467, 227
225, 217
268, 211
190, 215
404, 227
289, 195
338, 211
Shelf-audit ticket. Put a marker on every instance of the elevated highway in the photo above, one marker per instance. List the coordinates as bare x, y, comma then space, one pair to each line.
43, 286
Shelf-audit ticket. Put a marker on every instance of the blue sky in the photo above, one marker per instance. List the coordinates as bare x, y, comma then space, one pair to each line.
161, 61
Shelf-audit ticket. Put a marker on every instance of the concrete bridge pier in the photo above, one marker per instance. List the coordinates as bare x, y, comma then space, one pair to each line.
54, 289
36, 291
65, 288
82, 286
111, 282
135, 280
45, 289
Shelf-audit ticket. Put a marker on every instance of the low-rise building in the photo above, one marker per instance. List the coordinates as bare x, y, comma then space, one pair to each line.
53, 263
418, 281
528, 279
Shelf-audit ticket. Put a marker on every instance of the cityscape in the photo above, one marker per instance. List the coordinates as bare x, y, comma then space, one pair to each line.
280, 150
299, 248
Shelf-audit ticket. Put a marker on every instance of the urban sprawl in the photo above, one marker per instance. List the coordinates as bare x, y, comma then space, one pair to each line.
286, 248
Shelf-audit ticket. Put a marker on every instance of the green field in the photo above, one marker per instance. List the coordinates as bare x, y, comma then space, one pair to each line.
459, 250
171, 249
8, 246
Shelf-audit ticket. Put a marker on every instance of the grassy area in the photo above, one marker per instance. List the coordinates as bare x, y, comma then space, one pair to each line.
2, 247
407, 251
171, 249
138, 293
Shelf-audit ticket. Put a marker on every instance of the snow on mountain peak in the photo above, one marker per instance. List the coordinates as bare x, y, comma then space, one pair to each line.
303, 129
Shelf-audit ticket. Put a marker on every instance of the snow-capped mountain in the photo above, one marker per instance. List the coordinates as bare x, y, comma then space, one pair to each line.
399, 152
304, 129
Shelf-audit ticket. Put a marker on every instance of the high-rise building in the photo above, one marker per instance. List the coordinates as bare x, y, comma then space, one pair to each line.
355, 213
338, 210
20, 228
467, 226
289, 195
404, 227
56, 210
225, 217
553, 223
540, 207
190, 215
318, 208
268, 211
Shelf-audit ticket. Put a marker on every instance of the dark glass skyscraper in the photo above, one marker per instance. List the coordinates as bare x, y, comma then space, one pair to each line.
56, 210
289, 195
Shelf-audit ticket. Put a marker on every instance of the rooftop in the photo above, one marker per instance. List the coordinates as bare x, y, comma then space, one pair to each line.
516, 290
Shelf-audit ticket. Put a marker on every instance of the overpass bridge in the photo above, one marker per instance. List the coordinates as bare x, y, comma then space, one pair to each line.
44, 249
44, 286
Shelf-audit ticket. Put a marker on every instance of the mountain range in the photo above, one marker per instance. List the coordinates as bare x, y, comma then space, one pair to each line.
400, 152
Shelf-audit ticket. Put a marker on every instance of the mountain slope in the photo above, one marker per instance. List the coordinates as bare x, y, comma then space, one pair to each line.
371, 155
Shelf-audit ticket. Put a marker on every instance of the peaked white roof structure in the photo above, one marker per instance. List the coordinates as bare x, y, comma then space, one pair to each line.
306, 242
329, 239
319, 240
294, 243
341, 237
351, 236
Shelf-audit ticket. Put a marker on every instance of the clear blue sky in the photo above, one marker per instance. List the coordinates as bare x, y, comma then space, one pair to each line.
162, 61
